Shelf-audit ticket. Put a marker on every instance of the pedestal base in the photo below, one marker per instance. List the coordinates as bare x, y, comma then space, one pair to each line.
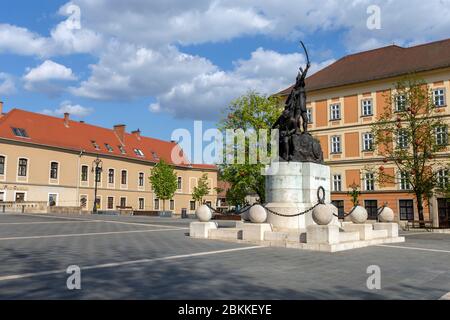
255, 231
316, 234
390, 227
200, 230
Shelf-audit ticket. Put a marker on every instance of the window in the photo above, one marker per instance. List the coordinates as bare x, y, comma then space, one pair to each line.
336, 144
109, 148
309, 115
110, 203
400, 103
179, 183
367, 141
54, 170
52, 199
404, 181
2, 165
172, 205
122, 150
23, 163
95, 145
439, 97
192, 205
84, 173
2, 196
123, 177
141, 179
441, 135
123, 202
141, 203
83, 201
156, 204
340, 205
19, 132
402, 139
337, 182
138, 152
369, 182
335, 111
406, 210
366, 107
111, 176
372, 208
442, 178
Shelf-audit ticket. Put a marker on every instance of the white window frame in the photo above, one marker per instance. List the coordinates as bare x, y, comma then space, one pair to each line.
87, 201
170, 204
367, 107
403, 183
156, 207
441, 135
369, 184
143, 180
114, 202
309, 115
84, 183
337, 182
24, 192
139, 203
57, 198
3, 175
443, 177
58, 171
109, 184
3, 198
23, 178
400, 98
126, 201
336, 144
335, 111
180, 181
367, 140
124, 186
442, 101
402, 140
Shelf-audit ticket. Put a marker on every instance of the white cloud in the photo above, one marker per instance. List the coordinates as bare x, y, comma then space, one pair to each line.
7, 85
67, 106
47, 77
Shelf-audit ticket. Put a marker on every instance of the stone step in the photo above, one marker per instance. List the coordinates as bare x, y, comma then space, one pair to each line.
275, 236
348, 236
379, 234
226, 234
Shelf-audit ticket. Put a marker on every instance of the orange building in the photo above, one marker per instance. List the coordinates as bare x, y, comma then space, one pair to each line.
345, 98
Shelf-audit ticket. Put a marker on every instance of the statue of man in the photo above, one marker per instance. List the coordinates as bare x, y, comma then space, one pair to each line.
299, 99
287, 126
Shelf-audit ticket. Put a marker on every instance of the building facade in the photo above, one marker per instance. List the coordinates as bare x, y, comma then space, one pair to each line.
347, 97
49, 159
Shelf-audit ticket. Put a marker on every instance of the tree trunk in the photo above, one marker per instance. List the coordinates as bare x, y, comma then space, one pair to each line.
419, 198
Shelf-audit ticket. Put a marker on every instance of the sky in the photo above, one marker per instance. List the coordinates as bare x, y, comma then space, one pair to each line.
159, 65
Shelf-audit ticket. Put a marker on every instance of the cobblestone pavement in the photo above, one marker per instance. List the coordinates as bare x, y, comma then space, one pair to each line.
153, 258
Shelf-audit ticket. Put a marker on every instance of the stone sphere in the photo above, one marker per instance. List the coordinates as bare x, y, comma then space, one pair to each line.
203, 213
257, 214
322, 214
245, 215
387, 215
359, 215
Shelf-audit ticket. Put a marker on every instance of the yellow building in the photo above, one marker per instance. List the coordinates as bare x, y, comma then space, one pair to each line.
345, 98
51, 160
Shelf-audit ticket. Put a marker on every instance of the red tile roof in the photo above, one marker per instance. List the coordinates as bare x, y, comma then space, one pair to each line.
378, 64
77, 136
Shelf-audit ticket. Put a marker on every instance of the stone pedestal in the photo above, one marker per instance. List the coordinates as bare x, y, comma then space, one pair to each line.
365, 230
255, 231
316, 234
200, 230
390, 227
291, 187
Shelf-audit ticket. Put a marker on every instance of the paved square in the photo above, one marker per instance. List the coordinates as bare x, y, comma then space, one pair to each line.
153, 258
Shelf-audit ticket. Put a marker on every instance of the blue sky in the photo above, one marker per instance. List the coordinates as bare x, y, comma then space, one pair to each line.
159, 65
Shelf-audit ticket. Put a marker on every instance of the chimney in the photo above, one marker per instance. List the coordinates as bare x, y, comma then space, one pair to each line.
119, 129
137, 134
66, 119
1, 108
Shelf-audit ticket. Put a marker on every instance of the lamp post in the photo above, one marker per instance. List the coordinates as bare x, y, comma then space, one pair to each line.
96, 169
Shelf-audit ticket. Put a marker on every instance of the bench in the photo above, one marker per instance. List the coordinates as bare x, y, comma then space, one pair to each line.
427, 224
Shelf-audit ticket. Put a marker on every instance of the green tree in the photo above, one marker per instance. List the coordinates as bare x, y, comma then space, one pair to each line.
202, 189
164, 181
406, 135
252, 111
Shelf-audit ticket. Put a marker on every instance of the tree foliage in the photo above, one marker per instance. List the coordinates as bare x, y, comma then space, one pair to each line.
164, 181
250, 112
202, 189
406, 135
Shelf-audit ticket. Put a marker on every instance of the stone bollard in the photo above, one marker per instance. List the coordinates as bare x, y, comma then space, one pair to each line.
257, 214
359, 215
386, 215
322, 214
203, 213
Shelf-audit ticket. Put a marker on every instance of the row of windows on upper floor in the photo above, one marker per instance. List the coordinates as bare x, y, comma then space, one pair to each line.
403, 181
402, 140
367, 108
23, 166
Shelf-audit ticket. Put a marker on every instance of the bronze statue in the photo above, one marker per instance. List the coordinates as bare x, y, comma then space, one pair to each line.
294, 144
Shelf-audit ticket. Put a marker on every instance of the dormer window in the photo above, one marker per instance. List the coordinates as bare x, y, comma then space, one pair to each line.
122, 150
109, 148
19, 132
155, 155
95, 145
138, 152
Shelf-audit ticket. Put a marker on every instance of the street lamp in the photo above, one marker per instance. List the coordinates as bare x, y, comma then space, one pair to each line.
97, 169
